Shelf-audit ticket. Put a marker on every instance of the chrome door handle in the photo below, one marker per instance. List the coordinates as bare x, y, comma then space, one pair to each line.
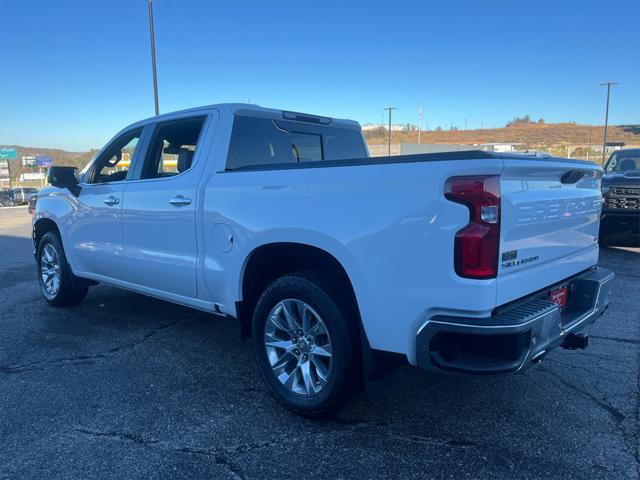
179, 201
111, 201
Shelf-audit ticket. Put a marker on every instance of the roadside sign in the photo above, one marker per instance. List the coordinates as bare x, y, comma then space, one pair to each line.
44, 161
8, 153
4, 172
25, 177
28, 161
4, 164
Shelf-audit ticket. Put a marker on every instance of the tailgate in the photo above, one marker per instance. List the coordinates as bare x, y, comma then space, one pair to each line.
549, 226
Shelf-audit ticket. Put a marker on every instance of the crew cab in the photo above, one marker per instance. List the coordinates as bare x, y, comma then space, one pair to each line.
334, 263
621, 194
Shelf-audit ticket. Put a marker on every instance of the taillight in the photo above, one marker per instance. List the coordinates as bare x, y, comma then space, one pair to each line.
476, 245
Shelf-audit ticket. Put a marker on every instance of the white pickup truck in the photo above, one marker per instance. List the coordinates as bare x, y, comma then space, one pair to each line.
335, 263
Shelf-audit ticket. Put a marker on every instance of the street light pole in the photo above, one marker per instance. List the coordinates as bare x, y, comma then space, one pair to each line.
390, 109
153, 57
606, 117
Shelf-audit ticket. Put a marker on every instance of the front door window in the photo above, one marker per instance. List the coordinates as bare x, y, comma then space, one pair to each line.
114, 163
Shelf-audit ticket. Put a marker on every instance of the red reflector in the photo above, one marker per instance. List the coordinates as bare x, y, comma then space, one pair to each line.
476, 245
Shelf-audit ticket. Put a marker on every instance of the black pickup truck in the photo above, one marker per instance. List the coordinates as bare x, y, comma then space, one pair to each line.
621, 196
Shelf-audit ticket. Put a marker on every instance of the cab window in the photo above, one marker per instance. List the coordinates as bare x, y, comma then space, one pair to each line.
257, 142
113, 164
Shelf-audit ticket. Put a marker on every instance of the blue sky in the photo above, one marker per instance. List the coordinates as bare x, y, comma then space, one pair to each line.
73, 72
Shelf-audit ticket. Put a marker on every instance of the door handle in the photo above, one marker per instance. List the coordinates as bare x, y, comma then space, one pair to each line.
111, 201
179, 201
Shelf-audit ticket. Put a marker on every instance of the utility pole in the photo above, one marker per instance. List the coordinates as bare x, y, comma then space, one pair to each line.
606, 117
153, 57
420, 115
390, 110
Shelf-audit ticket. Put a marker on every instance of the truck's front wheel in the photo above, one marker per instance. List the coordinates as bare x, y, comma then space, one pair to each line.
55, 276
303, 344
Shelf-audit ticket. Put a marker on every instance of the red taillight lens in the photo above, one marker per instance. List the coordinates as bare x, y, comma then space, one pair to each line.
476, 245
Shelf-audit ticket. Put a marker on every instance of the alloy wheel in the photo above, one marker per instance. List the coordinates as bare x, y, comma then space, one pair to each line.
298, 347
50, 271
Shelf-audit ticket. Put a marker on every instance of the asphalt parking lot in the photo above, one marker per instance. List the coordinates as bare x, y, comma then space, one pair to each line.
126, 386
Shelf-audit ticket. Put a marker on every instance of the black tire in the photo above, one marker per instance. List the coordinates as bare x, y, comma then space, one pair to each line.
315, 290
69, 292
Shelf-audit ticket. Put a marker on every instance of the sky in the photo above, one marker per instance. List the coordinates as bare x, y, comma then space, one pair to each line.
74, 72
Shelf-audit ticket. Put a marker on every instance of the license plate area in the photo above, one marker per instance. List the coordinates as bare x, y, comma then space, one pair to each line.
559, 295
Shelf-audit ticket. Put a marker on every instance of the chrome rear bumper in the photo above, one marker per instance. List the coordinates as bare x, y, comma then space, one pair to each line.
516, 335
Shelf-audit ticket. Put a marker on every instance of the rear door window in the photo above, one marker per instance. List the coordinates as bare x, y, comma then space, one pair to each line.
172, 148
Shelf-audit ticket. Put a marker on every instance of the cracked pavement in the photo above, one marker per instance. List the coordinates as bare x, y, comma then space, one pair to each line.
125, 386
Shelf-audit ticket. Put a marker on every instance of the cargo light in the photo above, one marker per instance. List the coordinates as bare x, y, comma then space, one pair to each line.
477, 244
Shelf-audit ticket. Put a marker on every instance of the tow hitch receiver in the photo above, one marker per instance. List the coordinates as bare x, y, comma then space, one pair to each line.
576, 340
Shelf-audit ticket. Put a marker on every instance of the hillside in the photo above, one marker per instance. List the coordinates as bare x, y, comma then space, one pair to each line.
60, 157
530, 135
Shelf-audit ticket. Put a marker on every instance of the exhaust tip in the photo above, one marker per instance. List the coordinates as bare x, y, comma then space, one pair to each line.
539, 357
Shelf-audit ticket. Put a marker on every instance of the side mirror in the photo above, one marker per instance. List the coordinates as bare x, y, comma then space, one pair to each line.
65, 177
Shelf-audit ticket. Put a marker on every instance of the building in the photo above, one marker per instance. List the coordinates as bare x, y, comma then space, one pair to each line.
29, 177
497, 147
611, 147
415, 148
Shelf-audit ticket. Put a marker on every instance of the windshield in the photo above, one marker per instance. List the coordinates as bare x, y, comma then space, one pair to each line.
623, 161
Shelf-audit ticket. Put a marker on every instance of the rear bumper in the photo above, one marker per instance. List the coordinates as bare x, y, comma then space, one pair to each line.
516, 335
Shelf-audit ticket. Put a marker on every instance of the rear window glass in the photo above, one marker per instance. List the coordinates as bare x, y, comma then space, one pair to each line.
623, 161
307, 147
263, 141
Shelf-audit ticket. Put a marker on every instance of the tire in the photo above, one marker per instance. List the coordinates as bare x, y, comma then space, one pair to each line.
310, 383
57, 284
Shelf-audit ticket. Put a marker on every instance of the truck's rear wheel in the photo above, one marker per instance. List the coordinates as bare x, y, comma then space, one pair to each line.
303, 344
54, 274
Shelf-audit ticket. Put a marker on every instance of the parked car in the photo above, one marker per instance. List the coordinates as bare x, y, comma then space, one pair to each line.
333, 262
21, 195
621, 196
